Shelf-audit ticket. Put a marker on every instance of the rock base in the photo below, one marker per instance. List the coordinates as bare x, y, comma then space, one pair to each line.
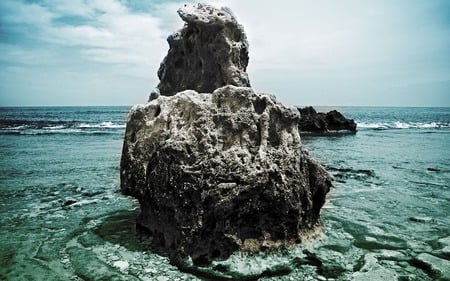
215, 173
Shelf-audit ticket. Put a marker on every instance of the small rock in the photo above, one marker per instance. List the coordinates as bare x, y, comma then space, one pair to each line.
69, 202
446, 251
445, 241
122, 265
421, 219
370, 239
433, 169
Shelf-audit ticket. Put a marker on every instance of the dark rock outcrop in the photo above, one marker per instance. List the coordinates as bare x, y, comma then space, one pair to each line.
220, 171
211, 51
311, 121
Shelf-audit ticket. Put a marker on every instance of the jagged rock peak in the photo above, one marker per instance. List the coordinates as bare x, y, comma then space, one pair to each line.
209, 52
206, 14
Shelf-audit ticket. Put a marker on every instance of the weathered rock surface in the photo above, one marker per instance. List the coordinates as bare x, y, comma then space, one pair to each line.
311, 121
438, 268
217, 167
219, 172
211, 51
445, 243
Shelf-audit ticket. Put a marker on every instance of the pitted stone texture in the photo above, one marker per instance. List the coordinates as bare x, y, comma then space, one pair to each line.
219, 172
211, 51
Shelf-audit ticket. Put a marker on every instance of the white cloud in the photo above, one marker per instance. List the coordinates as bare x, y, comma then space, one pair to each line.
19, 13
303, 49
90, 45
109, 29
69, 8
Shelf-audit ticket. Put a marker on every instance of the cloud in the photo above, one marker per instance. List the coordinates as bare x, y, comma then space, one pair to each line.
328, 52
80, 39
305, 52
105, 28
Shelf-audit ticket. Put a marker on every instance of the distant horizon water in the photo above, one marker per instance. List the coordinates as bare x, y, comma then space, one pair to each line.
302, 105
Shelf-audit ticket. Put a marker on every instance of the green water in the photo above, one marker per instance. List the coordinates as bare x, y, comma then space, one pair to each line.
63, 217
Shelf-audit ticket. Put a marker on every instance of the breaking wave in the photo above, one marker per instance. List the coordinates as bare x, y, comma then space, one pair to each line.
40, 127
402, 125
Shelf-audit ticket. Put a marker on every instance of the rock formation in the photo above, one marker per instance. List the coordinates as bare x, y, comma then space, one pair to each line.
311, 121
211, 51
222, 169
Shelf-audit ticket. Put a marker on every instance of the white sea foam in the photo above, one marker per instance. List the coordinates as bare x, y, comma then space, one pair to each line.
58, 127
373, 125
106, 124
402, 125
16, 128
49, 131
109, 124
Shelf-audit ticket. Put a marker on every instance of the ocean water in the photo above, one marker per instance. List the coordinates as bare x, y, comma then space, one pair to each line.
63, 217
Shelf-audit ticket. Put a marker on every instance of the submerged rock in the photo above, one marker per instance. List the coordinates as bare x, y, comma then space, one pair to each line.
311, 121
436, 267
211, 51
421, 219
445, 243
69, 202
224, 170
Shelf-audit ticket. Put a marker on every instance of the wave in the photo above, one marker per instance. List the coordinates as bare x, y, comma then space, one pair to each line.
402, 125
40, 127
106, 124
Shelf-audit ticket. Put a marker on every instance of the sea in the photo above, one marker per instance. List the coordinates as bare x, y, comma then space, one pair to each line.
63, 217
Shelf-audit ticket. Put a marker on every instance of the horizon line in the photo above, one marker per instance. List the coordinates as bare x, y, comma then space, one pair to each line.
297, 106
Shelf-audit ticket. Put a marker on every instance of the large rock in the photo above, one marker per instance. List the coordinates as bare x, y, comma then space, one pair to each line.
314, 122
211, 51
219, 172
217, 167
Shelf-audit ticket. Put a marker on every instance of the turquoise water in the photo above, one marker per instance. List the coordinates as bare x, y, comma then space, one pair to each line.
63, 217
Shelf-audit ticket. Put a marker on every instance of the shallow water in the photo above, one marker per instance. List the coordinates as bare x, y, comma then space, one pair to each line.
64, 219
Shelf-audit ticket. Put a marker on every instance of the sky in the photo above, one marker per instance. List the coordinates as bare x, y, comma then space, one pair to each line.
322, 52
